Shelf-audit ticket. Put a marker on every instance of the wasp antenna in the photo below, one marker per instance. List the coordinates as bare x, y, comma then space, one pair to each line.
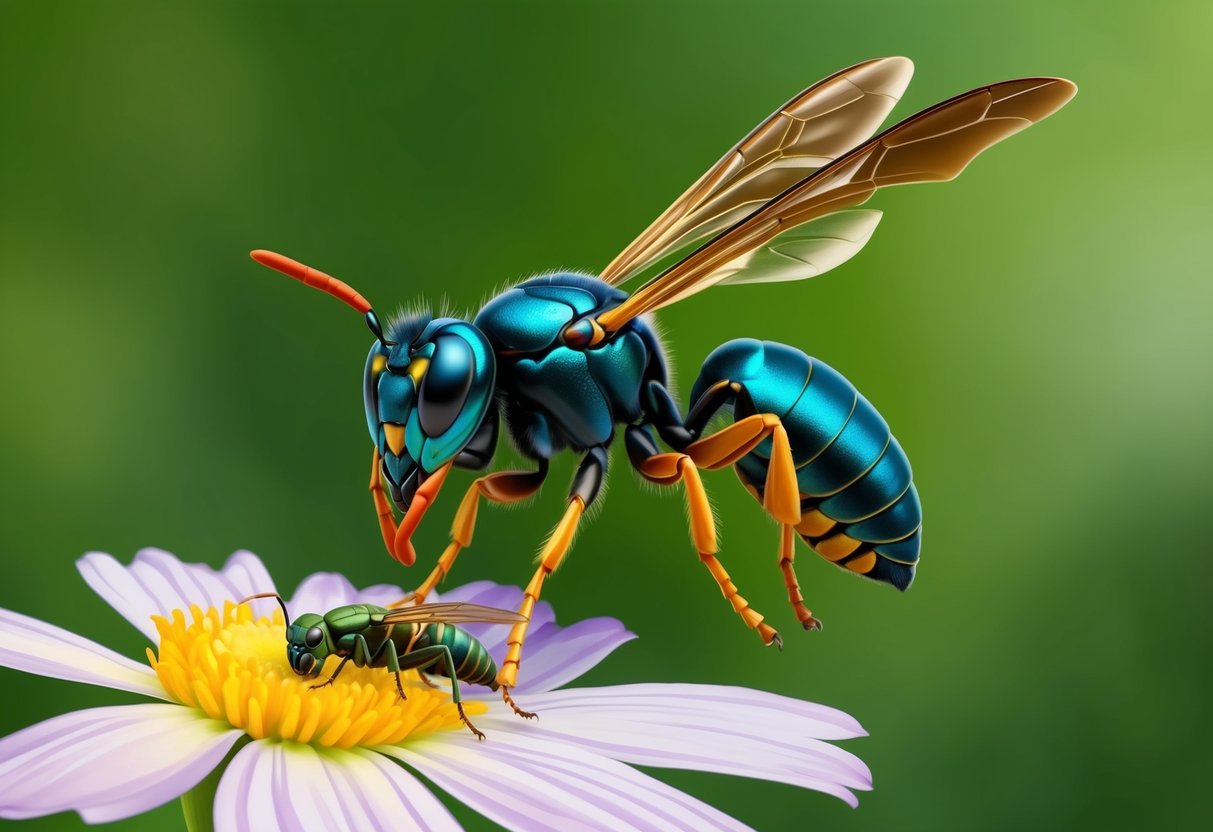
285, 615
316, 279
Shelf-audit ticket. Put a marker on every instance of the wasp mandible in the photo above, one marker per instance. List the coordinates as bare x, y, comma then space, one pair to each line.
566, 358
422, 637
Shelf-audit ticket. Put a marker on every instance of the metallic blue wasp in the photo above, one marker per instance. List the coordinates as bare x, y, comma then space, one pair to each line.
567, 359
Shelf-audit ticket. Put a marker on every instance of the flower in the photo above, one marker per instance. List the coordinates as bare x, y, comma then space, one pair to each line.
343, 757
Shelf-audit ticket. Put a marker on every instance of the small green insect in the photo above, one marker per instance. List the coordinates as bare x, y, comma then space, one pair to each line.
421, 638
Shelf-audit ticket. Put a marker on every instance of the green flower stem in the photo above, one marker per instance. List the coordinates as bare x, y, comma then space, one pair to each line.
198, 804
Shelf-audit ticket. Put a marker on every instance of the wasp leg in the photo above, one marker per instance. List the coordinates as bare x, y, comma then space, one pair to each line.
671, 468
426, 657
780, 496
332, 678
586, 485
787, 557
397, 538
678, 432
501, 487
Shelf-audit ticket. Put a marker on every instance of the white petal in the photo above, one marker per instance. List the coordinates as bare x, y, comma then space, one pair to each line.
37, 647
294, 788
247, 574
109, 763
530, 784
156, 583
701, 727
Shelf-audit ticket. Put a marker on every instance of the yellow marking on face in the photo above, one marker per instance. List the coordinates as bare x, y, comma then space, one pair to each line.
862, 564
377, 364
395, 437
837, 547
814, 524
416, 370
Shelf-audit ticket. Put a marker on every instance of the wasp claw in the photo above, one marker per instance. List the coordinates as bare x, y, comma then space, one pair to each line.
812, 623
509, 700
777, 640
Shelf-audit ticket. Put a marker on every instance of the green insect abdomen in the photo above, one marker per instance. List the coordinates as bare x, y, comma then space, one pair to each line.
473, 664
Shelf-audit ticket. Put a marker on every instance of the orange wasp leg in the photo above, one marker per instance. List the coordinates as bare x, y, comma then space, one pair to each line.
787, 557
501, 487
586, 485
781, 495
557, 546
671, 468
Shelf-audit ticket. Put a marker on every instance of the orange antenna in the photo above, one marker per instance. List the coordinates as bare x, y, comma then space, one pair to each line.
317, 280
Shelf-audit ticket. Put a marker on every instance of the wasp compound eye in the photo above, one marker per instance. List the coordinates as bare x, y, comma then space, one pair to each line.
313, 637
445, 386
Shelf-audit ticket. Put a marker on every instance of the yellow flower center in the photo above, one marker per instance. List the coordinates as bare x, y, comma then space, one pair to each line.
233, 667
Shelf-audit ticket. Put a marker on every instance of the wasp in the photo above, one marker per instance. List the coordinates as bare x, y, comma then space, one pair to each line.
567, 359
422, 637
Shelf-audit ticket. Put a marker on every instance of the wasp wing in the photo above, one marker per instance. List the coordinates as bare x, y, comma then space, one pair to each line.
811, 130
934, 145
804, 252
455, 612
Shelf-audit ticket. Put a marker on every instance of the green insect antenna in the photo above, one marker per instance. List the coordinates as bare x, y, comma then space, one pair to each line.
285, 615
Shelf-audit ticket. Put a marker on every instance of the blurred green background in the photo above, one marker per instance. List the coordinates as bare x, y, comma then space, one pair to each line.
1037, 333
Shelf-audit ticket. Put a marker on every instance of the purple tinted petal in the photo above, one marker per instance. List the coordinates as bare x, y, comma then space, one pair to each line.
247, 574
156, 583
702, 727
34, 646
322, 592
108, 763
502, 597
531, 784
466, 592
186, 584
272, 787
380, 595
555, 656
121, 590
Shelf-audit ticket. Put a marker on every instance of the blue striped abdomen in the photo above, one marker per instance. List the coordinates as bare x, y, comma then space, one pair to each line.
859, 504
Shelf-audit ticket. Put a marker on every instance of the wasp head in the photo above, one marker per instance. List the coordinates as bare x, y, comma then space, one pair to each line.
308, 644
428, 387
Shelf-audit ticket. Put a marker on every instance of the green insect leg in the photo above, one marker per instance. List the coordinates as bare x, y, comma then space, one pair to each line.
332, 678
428, 656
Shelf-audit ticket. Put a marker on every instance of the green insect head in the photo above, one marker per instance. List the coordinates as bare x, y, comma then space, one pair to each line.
308, 642
427, 387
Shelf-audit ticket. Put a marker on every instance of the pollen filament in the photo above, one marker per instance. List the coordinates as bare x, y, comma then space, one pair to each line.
233, 667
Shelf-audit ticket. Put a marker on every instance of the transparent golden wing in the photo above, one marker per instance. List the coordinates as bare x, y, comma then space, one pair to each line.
934, 145
456, 612
811, 130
